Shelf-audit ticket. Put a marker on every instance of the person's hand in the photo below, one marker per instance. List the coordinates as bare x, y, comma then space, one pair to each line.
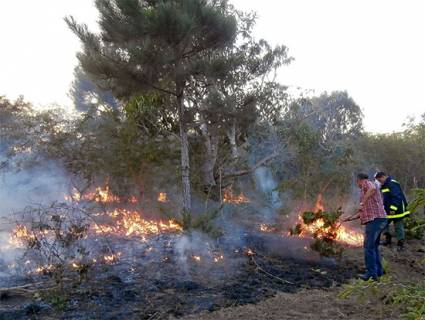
361, 206
344, 219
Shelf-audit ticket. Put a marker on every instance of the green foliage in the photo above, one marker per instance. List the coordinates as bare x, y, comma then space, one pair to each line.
143, 45
319, 133
408, 297
150, 115
415, 223
203, 222
309, 217
418, 201
58, 299
399, 154
297, 230
326, 247
329, 219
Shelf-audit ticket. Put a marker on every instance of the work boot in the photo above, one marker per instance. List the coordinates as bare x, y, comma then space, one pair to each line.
400, 245
367, 277
387, 241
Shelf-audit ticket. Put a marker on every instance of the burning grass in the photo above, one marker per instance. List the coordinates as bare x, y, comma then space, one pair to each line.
153, 280
67, 235
124, 261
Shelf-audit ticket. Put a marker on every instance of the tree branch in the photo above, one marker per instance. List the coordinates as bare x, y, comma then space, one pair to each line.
252, 169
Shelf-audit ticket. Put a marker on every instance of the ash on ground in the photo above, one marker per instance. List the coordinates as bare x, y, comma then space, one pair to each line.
176, 274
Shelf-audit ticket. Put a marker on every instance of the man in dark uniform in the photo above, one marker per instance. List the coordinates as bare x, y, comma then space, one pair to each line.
395, 205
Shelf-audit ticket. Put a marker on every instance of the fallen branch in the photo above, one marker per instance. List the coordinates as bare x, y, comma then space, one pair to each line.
20, 290
269, 274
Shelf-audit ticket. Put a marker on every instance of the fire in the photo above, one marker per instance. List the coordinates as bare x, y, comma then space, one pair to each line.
130, 223
229, 197
20, 235
349, 237
266, 228
162, 197
319, 204
111, 258
343, 234
45, 269
100, 195
249, 252
218, 258
120, 222
126, 223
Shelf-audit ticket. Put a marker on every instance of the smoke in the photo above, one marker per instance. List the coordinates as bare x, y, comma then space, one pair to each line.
40, 185
267, 185
18, 189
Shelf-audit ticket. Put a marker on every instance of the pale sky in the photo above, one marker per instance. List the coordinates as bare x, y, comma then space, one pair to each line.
374, 49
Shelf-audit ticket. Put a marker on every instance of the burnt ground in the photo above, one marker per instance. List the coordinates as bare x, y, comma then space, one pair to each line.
154, 284
326, 303
159, 286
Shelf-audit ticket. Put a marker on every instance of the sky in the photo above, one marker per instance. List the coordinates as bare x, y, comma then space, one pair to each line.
373, 49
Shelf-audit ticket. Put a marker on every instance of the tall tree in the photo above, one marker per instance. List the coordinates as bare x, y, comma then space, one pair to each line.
320, 132
237, 92
155, 45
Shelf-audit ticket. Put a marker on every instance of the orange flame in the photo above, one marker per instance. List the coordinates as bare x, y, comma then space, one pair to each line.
319, 204
343, 233
249, 252
130, 223
111, 258
100, 195
229, 197
218, 258
162, 197
21, 235
266, 228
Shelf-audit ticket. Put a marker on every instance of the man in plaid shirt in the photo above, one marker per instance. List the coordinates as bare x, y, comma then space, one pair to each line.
371, 214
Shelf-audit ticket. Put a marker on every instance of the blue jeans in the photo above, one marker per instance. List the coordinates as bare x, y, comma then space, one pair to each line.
372, 256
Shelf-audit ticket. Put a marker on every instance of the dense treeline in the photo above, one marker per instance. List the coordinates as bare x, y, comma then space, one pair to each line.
313, 157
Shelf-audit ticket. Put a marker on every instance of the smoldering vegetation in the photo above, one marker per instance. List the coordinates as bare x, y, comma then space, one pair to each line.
138, 268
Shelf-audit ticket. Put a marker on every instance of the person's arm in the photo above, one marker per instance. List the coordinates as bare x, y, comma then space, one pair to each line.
352, 217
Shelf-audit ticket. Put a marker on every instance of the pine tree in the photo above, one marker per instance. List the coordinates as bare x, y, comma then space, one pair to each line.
155, 46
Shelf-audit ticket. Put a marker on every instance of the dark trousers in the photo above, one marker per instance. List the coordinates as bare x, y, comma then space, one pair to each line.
372, 256
398, 227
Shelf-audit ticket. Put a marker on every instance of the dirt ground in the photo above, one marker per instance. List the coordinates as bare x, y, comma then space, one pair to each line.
327, 304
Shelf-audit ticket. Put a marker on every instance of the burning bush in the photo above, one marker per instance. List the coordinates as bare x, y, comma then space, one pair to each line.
324, 228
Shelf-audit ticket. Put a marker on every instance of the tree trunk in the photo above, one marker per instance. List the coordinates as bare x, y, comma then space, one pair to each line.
185, 164
231, 135
210, 157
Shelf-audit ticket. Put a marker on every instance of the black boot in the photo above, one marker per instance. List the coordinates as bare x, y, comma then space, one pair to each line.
387, 241
400, 245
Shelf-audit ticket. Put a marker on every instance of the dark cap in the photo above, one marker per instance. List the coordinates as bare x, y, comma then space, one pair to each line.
362, 176
380, 174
